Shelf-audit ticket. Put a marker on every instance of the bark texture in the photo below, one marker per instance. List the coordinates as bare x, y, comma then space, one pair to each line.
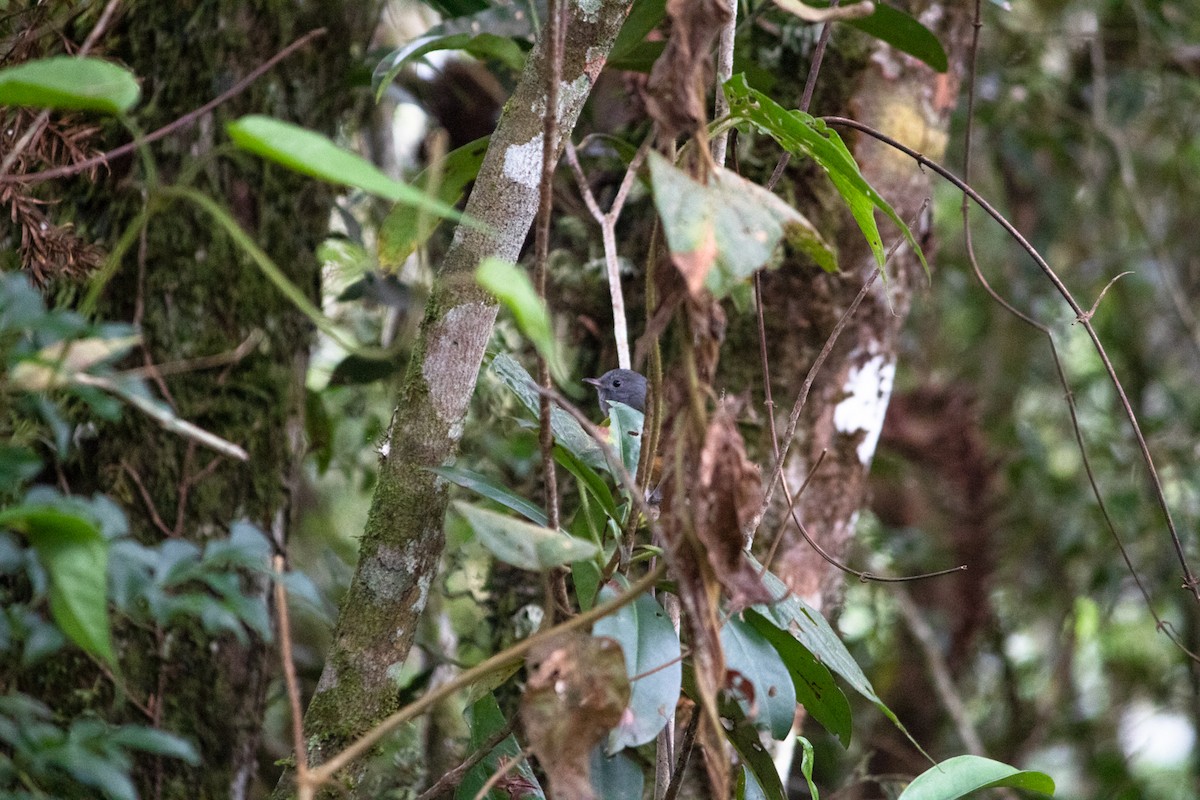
845, 409
403, 541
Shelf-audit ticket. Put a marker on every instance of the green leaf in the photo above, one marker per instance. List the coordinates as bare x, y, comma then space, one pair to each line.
483, 46
811, 629
721, 233
748, 653
804, 135
644, 16
813, 683
486, 720
492, 491
618, 777
806, 766
66, 82
310, 153
902, 32
748, 787
157, 742
525, 546
75, 556
17, 465
961, 775
402, 231
589, 480
746, 741
567, 432
625, 427
649, 642
512, 287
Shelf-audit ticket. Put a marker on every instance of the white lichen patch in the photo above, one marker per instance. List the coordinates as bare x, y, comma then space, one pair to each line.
867, 390
523, 162
589, 9
379, 574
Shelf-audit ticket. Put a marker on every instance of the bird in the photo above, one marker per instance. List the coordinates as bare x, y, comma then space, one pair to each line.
620, 386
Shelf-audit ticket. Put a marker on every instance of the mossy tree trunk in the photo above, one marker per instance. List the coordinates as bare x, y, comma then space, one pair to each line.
193, 293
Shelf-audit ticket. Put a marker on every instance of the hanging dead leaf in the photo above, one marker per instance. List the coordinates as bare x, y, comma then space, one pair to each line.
577, 691
727, 497
675, 96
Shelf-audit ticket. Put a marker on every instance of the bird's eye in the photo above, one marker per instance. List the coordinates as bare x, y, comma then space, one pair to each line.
616, 384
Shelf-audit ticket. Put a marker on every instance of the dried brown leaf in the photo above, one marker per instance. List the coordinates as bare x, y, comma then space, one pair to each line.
577, 691
729, 495
675, 95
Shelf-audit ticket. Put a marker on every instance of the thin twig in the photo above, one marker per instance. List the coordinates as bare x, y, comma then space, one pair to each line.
685, 752
810, 84
455, 776
150, 507
939, 671
802, 398
778, 537
608, 233
499, 774
289, 674
179, 124
862, 575
512, 655
1190, 583
554, 49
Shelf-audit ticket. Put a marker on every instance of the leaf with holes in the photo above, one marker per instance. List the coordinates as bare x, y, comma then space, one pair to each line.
747, 652
721, 232
804, 135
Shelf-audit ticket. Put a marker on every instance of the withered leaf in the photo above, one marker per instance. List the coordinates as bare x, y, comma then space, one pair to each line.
729, 495
576, 693
675, 96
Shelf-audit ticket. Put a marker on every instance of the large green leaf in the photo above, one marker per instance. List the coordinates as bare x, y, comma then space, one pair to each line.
75, 556
804, 135
794, 616
959, 776
567, 432
512, 287
85, 84
814, 685
904, 33
482, 46
525, 546
492, 491
402, 231
310, 153
652, 651
721, 232
748, 653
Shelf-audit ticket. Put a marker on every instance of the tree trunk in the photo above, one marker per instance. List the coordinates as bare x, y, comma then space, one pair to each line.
845, 409
403, 541
193, 293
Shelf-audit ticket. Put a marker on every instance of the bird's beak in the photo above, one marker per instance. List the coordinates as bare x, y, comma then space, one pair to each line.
592, 381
